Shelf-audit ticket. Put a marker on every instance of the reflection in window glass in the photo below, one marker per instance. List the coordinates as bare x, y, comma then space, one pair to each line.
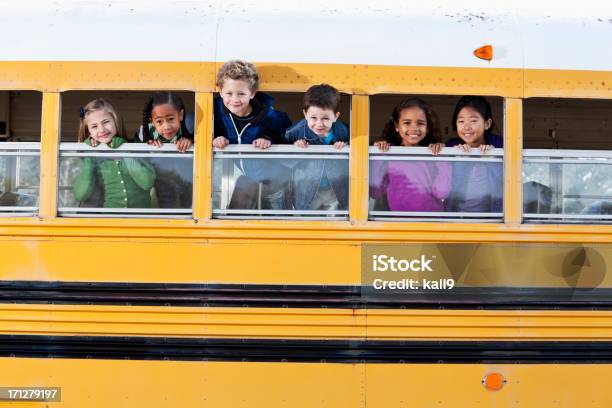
283, 181
410, 183
576, 187
132, 179
19, 178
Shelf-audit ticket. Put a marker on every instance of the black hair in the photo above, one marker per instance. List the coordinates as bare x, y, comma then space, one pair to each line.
162, 98
390, 135
480, 105
322, 96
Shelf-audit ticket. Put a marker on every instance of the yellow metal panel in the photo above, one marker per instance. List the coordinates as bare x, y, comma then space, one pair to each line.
360, 136
568, 84
48, 154
459, 385
513, 134
21, 75
296, 231
192, 76
488, 325
290, 323
197, 262
129, 384
202, 162
375, 79
121, 383
318, 262
182, 321
355, 79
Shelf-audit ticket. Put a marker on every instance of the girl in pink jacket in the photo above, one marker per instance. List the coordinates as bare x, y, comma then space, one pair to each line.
420, 186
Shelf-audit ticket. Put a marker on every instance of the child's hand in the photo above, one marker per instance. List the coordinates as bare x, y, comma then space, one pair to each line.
301, 143
463, 147
220, 142
484, 148
435, 148
262, 143
155, 143
382, 145
183, 144
339, 145
93, 142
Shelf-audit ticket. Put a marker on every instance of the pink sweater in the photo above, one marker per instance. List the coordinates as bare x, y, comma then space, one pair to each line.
411, 185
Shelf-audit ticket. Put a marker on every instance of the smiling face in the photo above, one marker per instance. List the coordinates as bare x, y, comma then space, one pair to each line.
471, 126
101, 126
411, 126
166, 120
237, 95
320, 120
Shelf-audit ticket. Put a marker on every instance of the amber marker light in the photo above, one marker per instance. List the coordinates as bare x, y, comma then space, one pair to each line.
493, 381
485, 52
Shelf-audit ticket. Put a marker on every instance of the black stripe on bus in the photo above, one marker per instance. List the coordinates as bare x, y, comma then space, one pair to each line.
298, 296
314, 351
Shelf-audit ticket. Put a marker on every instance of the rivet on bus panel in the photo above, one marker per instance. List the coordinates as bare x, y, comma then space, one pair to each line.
485, 52
493, 381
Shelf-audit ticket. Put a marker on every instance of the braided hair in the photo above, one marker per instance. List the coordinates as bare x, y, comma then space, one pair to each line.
162, 98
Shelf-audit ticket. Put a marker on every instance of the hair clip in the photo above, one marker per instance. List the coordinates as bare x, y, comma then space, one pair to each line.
82, 112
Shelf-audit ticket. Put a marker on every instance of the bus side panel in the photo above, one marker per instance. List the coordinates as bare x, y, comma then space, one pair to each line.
102, 383
158, 261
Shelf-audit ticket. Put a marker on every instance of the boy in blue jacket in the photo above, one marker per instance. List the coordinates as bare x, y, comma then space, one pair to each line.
245, 116
320, 184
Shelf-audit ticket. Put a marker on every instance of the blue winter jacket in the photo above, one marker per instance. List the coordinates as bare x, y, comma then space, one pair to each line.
492, 193
268, 124
308, 173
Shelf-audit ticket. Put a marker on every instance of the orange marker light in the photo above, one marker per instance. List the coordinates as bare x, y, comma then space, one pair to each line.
485, 52
493, 381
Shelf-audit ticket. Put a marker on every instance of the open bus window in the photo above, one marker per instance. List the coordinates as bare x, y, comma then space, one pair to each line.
124, 176
567, 168
407, 182
20, 124
283, 181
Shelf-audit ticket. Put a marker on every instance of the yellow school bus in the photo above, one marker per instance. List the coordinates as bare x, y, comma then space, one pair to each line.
205, 304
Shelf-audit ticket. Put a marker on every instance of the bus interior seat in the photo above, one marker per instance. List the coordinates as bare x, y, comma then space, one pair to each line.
537, 198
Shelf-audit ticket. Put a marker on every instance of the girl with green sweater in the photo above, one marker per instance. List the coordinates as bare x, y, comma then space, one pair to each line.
126, 182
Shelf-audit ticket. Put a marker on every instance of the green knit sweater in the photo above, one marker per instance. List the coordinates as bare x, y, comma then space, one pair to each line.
127, 182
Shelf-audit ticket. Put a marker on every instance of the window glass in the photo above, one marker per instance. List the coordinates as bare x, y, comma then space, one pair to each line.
436, 158
281, 182
410, 183
111, 165
20, 124
567, 164
132, 179
304, 172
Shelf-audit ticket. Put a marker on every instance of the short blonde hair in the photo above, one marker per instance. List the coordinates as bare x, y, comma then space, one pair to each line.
96, 105
238, 70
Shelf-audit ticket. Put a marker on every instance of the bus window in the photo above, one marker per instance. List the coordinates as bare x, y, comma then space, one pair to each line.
285, 181
105, 175
567, 169
409, 183
20, 124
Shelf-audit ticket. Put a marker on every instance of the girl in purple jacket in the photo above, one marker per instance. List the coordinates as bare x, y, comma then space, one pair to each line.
411, 185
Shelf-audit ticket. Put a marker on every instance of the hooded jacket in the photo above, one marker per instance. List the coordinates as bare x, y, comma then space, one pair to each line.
268, 124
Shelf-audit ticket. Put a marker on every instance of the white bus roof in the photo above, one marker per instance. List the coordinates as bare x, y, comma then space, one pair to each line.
525, 34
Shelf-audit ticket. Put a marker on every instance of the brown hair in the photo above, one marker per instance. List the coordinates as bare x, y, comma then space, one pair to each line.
238, 70
391, 136
322, 96
96, 105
